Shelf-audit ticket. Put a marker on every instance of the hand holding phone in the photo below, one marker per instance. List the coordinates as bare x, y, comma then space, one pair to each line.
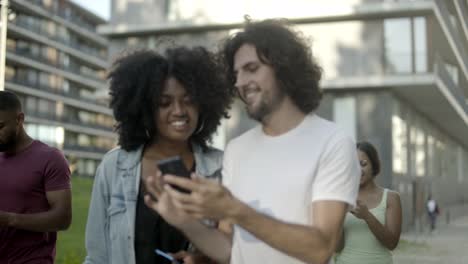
174, 166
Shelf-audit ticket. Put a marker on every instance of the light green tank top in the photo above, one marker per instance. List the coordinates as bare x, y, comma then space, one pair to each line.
361, 246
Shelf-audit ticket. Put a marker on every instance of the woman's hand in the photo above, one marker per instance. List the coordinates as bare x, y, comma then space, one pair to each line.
360, 211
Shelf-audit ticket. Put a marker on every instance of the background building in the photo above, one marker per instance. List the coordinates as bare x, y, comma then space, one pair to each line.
56, 62
395, 74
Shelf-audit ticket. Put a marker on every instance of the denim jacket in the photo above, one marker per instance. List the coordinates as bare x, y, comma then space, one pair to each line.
110, 229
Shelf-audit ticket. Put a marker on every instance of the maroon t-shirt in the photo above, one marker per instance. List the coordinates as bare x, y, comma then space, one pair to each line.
24, 180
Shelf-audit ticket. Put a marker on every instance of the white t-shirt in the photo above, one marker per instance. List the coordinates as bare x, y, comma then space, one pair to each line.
281, 176
431, 206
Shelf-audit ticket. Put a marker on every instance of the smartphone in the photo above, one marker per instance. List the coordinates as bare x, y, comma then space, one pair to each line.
167, 256
174, 166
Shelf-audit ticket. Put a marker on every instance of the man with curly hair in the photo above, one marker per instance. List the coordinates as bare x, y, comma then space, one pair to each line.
287, 183
165, 105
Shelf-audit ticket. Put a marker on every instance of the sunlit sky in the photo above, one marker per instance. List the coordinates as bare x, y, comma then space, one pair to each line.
99, 7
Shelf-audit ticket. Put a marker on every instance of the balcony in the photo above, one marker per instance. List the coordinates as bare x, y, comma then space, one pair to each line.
66, 119
27, 62
36, 28
70, 19
91, 149
60, 92
455, 90
71, 68
84, 152
440, 99
453, 34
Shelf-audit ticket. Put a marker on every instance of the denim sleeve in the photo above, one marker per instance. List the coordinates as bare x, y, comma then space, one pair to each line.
97, 227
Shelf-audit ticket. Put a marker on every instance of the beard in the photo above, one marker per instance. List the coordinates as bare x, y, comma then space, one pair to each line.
259, 112
9, 143
265, 107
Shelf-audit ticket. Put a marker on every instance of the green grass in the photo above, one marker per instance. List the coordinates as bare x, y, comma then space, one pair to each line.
70, 243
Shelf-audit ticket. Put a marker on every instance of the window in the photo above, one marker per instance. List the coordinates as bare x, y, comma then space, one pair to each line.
397, 34
400, 145
11, 44
344, 114
431, 156
50, 54
49, 134
44, 79
420, 152
464, 165
64, 59
35, 49
405, 45
87, 117
46, 107
32, 77
10, 73
31, 104
22, 47
65, 86
84, 140
420, 40
453, 72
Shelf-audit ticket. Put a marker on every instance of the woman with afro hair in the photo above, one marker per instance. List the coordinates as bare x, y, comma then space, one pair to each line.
165, 105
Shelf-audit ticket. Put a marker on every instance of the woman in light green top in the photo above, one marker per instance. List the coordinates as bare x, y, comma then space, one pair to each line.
372, 229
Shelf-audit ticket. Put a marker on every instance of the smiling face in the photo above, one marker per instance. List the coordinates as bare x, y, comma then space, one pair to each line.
256, 83
177, 114
366, 168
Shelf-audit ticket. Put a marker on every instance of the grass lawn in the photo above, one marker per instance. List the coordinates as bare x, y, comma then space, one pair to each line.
70, 244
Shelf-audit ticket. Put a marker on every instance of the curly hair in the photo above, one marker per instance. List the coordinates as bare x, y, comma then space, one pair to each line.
287, 52
137, 81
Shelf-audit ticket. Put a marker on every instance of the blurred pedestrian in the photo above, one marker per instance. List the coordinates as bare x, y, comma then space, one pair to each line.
433, 211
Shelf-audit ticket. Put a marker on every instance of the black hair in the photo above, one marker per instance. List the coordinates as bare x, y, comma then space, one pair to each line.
287, 52
9, 102
137, 81
373, 155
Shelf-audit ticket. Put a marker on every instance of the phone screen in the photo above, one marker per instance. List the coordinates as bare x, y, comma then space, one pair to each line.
168, 256
174, 166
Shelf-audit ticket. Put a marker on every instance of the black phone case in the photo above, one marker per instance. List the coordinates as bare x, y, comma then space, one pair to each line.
174, 166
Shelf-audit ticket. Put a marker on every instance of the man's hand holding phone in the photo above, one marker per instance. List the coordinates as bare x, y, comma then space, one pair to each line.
174, 166
200, 199
160, 201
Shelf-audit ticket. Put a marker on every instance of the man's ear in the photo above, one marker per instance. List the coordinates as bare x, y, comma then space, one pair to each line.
20, 118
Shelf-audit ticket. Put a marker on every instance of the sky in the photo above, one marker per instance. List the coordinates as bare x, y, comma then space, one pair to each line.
99, 7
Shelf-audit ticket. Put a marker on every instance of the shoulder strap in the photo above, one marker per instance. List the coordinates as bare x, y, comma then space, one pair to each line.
383, 201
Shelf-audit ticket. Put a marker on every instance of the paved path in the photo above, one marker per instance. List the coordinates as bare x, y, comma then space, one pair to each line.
448, 244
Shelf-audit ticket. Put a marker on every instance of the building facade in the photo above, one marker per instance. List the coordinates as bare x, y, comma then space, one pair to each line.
395, 74
56, 62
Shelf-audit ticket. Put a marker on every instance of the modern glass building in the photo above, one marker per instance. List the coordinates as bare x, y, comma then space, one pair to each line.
395, 74
56, 62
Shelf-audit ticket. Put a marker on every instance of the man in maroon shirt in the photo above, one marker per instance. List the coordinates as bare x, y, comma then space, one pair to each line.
35, 197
